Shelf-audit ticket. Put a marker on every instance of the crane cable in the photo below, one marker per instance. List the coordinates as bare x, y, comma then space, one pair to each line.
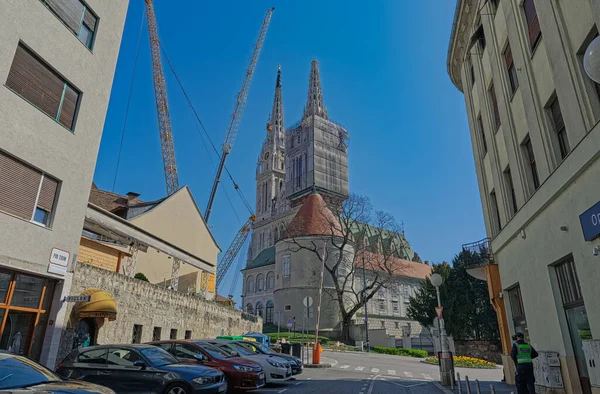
137, 54
235, 185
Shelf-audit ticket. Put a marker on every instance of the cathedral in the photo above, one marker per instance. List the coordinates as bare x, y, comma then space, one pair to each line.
302, 169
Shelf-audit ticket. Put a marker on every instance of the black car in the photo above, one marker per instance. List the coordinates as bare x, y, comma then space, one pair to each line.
259, 348
20, 375
140, 369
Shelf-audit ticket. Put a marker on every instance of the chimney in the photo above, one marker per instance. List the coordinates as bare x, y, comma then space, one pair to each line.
426, 262
132, 198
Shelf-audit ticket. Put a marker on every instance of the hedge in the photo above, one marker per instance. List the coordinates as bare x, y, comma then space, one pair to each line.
400, 351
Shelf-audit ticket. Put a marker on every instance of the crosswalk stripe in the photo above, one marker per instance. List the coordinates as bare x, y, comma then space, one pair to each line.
375, 370
391, 372
360, 368
427, 376
344, 366
408, 374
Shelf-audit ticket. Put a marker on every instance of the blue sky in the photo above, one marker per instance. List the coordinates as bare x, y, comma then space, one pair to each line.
383, 70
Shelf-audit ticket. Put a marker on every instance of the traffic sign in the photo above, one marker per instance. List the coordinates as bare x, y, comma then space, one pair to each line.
307, 301
78, 298
290, 323
438, 311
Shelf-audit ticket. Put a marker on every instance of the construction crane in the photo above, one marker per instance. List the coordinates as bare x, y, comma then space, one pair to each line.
162, 105
164, 122
236, 116
233, 250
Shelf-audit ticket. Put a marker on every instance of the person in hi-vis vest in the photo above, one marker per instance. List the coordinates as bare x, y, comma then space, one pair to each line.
523, 355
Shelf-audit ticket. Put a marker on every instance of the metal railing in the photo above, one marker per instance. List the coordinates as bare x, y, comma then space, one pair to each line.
480, 252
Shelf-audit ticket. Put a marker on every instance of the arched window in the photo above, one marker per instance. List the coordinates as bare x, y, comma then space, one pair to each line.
249, 309
250, 285
270, 281
259, 309
269, 312
260, 282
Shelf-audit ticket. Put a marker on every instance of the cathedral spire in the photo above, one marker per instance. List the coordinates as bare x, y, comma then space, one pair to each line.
275, 126
314, 102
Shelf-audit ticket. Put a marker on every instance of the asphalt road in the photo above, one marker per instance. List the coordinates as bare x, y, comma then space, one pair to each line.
361, 373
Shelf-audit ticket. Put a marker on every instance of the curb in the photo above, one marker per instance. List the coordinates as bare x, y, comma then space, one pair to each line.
323, 365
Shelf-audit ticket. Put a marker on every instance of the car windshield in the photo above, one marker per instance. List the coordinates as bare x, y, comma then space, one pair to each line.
214, 351
157, 356
262, 348
17, 372
240, 349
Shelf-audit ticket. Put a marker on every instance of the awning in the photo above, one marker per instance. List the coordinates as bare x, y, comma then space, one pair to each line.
101, 304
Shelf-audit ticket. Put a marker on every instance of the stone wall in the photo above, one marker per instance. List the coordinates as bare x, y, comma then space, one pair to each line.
485, 350
147, 305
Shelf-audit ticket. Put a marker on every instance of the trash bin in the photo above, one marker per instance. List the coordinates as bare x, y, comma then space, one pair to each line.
286, 348
297, 350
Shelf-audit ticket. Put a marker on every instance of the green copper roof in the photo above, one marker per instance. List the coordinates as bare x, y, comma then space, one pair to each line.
373, 234
266, 257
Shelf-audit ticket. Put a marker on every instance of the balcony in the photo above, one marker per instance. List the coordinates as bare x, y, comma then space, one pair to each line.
477, 256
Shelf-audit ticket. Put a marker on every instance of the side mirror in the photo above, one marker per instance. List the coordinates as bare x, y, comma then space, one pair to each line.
139, 363
200, 357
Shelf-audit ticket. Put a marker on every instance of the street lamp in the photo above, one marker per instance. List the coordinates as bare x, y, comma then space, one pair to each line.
591, 60
446, 372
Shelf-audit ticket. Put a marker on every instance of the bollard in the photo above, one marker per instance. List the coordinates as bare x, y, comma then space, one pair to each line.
493, 390
477, 386
468, 384
459, 385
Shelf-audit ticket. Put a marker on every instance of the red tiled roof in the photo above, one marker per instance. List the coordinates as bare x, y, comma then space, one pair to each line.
400, 267
107, 200
313, 218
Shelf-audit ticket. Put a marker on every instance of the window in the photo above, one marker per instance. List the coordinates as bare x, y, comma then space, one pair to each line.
494, 5
259, 309
250, 285
395, 308
34, 80
122, 357
341, 270
383, 324
568, 283
472, 74
299, 179
512, 70
286, 265
559, 128
96, 356
482, 133
250, 309
156, 334
260, 282
406, 289
530, 158
496, 224
381, 292
288, 308
494, 101
136, 336
26, 192
184, 350
168, 347
173, 334
269, 312
381, 305
77, 17
511, 189
396, 325
188, 334
533, 23
517, 310
270, 281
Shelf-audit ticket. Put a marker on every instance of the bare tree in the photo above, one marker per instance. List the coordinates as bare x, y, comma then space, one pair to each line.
360, 244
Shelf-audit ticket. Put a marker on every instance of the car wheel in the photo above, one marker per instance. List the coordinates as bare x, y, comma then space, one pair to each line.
177, 388
230, 389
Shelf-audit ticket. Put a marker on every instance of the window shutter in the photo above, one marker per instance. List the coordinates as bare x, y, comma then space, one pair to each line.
90, 20
19, 186
69, 11
47, 193
31, 79
69, 105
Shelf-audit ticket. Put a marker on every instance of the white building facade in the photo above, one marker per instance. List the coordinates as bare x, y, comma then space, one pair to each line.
533, 116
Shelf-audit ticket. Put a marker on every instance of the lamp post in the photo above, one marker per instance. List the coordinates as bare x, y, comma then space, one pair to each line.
446, 372
366, 308
591, 60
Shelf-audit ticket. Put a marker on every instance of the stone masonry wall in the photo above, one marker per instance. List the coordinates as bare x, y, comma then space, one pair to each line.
150, 306
485, 350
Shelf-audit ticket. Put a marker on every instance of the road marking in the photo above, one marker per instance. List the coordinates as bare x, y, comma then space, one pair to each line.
427, 376
391, 372
281, 391
403, 385
375, 370
408, 374
360, 368
308, 378
372, 384
344, 366
297, 383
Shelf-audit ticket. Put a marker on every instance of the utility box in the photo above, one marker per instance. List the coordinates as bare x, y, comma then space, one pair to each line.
591, 348
546, 369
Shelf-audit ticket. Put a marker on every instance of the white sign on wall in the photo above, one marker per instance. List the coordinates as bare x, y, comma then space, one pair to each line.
59, 260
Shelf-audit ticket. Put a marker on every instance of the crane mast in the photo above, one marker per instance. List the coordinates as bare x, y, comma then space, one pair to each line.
236, 116
233, 250
162, 105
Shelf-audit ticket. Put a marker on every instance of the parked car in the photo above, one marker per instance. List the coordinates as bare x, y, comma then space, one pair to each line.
20, 375
259, 348
241, 373
140, 369
276, 369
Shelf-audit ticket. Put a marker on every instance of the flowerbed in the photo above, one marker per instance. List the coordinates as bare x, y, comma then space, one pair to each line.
465, 362
400, 351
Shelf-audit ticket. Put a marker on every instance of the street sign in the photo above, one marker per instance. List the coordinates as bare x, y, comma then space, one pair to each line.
307, 301
290, 323
59, 259
438, 311
78, 298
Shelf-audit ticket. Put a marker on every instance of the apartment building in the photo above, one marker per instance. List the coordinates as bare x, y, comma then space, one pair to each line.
57, 61
533, 116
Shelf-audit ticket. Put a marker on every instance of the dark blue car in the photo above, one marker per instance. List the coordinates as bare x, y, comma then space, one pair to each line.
140, 369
